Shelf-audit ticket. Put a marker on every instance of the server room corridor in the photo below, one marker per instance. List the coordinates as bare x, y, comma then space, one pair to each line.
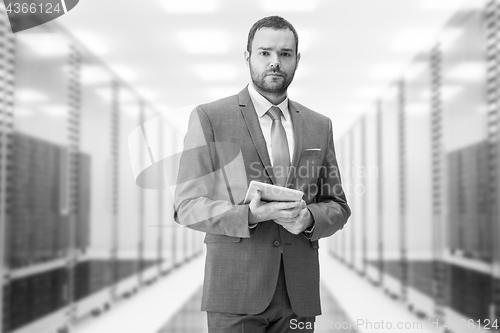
95, 98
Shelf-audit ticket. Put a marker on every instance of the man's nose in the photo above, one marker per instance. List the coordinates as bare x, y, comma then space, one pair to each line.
275, 62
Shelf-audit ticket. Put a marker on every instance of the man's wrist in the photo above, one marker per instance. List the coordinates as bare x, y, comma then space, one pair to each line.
310, 229
252, 223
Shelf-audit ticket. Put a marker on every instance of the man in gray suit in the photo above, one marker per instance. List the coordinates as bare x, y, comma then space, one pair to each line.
262, 269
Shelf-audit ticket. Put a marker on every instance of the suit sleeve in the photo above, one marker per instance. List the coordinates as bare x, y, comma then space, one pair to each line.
197, 204
330, 210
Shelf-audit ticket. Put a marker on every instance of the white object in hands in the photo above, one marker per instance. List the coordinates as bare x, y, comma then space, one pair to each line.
269, 192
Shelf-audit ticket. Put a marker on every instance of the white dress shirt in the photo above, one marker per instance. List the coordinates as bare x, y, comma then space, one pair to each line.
262, 105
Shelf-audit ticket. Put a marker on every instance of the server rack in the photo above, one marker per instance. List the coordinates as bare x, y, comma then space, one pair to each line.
7, 50
455, 277
418, 178
467, 251
64, 251
390, 218
372, 198
41, 207
357, 190
334, 244
167, 226
351, 229
402, 189
96, 267
345, 236
492, 14
149, 242
337, 245
380, 195
362, 158
439, 269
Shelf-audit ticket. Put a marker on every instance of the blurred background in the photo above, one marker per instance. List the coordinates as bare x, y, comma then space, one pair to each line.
412, 88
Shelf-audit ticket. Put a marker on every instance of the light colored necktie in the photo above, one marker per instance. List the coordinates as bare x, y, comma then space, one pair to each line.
279, 144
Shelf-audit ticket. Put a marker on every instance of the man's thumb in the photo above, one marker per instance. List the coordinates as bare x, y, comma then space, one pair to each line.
256, 198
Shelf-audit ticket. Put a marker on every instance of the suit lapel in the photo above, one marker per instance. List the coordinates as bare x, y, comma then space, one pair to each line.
297, 123
253, 125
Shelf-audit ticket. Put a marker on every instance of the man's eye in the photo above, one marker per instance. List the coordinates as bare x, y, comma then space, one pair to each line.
286, 54
264, 53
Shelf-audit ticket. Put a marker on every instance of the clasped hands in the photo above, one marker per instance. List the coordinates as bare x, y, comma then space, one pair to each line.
293, 216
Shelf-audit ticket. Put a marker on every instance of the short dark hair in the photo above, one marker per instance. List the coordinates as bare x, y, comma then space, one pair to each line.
275, 22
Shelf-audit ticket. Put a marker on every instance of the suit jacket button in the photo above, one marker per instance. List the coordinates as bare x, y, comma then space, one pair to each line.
276, 243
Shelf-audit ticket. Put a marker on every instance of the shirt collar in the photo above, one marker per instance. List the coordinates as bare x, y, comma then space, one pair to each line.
262, 105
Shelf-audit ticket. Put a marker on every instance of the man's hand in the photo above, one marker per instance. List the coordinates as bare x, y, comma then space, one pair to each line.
283, 211
298, 224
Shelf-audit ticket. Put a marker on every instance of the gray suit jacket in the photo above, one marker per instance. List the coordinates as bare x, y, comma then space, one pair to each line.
224, 149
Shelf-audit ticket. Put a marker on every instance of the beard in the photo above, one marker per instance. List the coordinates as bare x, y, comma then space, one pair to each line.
278, 87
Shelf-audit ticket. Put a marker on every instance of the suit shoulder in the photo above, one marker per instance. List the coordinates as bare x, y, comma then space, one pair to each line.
222, 105
313, 115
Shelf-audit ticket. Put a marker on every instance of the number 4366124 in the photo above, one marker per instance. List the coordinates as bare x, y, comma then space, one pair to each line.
32, 8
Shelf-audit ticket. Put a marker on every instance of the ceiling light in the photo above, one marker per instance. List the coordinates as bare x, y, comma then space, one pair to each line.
482, 109
474, 5
468, 71
216, 72
28, 95
128, 97
92, 42
132, 110
148, 94
372, 92
125, 96
358, 108
220, 92
386, 71
391, 93
93, 74
55, 110
23, 112
105, 93
446, 93
204, 41
445, 5
413, 40
417, 108
165, 108
126, 73
289, 5
189, 6
448, 37
452, 5
415, 70
45, 44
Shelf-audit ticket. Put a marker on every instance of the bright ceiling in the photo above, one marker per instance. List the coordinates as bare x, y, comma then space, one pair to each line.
182, 52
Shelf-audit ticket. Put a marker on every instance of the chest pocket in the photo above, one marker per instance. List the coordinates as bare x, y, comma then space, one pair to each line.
312, 153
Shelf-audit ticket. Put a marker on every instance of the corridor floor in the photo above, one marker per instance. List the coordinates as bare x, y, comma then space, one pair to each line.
190, 319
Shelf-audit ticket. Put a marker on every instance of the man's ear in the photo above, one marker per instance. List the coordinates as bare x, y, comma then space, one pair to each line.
298, 59
247, 57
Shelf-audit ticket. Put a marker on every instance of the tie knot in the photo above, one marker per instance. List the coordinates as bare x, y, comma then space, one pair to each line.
275, 113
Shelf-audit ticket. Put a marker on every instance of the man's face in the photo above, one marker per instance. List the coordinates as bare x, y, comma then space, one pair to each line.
273, 60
